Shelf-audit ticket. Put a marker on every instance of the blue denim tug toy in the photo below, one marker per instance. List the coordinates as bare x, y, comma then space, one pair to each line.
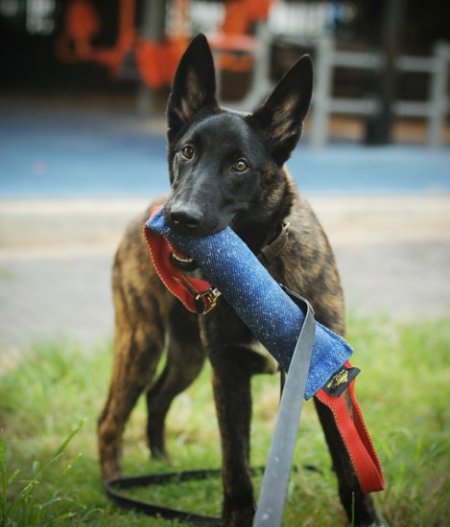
268, 311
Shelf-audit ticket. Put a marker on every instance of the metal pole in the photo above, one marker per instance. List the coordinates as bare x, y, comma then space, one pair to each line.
322, 92
379, 128
154, 28
438, 95
260, 84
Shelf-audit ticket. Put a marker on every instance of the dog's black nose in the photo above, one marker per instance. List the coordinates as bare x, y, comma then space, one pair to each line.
185, 216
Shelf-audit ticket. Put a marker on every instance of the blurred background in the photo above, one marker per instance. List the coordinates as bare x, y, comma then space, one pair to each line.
83, 88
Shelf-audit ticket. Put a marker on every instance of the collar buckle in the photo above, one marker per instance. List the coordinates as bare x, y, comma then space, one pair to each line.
206, 301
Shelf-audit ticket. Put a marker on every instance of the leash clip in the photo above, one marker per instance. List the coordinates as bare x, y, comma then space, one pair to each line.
207, 300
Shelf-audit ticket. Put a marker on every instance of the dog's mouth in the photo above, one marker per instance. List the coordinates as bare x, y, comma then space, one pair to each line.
182, 261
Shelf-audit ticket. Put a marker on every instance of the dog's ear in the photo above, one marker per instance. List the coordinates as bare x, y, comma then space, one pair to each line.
194, 85
280, 118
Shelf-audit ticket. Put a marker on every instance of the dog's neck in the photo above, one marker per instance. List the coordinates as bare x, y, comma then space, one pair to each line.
258, 227
256, 236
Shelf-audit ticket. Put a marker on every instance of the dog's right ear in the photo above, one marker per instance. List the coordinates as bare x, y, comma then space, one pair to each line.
280, 118
194, 86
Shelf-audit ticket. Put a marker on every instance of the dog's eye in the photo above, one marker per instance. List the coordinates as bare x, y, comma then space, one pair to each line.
240, 165
187, 152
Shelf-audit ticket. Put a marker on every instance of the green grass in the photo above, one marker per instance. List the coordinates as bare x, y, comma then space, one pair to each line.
48, 461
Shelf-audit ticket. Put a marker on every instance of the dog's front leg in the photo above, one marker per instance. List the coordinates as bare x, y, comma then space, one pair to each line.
227, 339
231, 386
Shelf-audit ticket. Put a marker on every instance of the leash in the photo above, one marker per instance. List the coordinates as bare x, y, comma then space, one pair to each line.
112, 490
272, 496
349, 421
198, 296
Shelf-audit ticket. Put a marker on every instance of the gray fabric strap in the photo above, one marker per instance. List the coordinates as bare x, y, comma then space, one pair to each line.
269, 512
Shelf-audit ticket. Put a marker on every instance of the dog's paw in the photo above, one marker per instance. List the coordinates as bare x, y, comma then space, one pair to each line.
110, 473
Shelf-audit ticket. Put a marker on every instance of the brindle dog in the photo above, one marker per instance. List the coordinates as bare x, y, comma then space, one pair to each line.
225, 169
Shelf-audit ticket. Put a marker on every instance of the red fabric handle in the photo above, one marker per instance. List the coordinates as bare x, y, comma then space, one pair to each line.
356, 438
192, 292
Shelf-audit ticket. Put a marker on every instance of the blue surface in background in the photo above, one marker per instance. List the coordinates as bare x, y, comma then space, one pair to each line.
70, 154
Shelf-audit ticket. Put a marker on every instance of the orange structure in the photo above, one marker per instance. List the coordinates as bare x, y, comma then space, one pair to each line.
157, 61
82, 23
235, 39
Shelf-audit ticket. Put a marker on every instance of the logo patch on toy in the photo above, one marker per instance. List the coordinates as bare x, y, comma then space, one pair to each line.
340, 380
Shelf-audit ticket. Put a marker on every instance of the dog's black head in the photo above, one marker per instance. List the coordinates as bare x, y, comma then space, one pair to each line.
225, 168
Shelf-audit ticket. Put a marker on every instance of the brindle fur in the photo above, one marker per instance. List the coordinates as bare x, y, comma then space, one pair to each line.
149, 320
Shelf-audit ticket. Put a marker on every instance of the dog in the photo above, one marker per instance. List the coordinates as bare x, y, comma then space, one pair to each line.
225, 169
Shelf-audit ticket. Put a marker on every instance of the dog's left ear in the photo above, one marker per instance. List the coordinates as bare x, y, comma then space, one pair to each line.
194, 85
280, 118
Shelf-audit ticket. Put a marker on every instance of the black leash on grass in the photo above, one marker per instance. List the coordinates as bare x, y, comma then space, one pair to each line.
113, 491
113, 488
276, 474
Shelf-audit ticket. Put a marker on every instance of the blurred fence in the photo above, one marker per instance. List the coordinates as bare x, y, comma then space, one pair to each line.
435, 110
244, 42
309, 26
328, 58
